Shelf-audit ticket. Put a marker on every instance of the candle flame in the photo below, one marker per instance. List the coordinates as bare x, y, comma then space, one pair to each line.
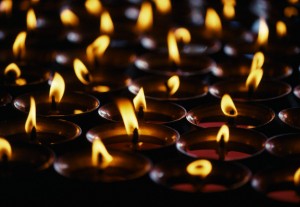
69, 18
263, 32
106, 23
128, 115
81, 71
57, 88
201, 168
12, 67
290, 11
5, 149
254, 78
281, 29
145, 19
31, 119
223, 132
139, 100
228, 8
19, 45
173, 84
93, 7
31, 20
101, 88
97, 48
257, 61
163, 6
297, 177
6, 6
183, 34
293, 1
174, 55
98, 148
228, 107
212, 22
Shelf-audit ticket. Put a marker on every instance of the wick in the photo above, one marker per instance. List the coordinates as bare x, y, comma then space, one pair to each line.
174, 65
231, 120
198, 183
135, 138
250, 91
33, 136
140, 113
53, 104
168, 89
221, 151
87, 77
4, 158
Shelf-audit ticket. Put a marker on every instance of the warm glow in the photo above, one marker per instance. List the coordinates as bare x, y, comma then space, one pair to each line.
68, 18
183, 34
293, 1
57, 88
290, 11
98, 149
297, 177
31, 19
257, 61
128, 115
200, 168
106, 23
228, 107
81, 71
93, 7
6, 6
263, 32
5, 149
31, 119
97, 48
212, 21
145, 19
254, 78
12, 67
101, 89
173, 84
139, 100
163, 6
173, 48
281, 28
228, 8
19, 45
223, 132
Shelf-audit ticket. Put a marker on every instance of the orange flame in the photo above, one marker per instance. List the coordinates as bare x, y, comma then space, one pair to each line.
19, 45
139, 100
281, 29
31, 20
97, 48
228, 8
173, 48
290, 11
12, 67
201, 168
173, 84
223, 132
31, 119
6, 6
257, 61
93, 7
69, 18
98, 148
212, 22
106, 23
145, 19
254, 78
5, 149
163, 6
81, 71
263, 32
228, 107
57, 88
183, 34
297, 177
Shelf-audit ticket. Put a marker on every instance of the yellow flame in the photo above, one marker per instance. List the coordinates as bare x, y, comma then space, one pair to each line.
228, 107
257, 61
290, 11
93, 7
254, 78
19, 44
213, 22
81, 71
31, 19
101, 88
200, 168
223, 132
281, 29
297, 177
174, 55
106, 23
69, 18
263, 32
97, 48
128, 115
145, 19
57, 88
228, 8
183, 34
13, 67
163, 6
5, 149
173, 84
139, 100
6, 6
98, 148
31, 119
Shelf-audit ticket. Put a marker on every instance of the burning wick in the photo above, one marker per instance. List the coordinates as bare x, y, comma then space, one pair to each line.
140, 113
135, 138
33, 136
231, 119
5, 150
222, 139
53, 104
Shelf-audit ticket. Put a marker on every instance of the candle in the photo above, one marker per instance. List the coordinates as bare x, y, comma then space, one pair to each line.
289, 118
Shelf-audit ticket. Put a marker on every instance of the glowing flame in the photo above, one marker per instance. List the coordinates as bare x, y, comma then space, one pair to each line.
68, 18
5, 149
31, 19
93, 7
201, 168
97, 48
128, 115
14, 68
19, 45
228, 8
254, 78
223, 132
297, 177
101, 88
31, 119
81, 71
257, 61
281, 28
98, 149
263, 32
290, 11
145, 19
228, 107
163, 6
173, 48
213, 22
6, 6
173, 84
293, 1
183, 34
139, 100
106, 24
57, 88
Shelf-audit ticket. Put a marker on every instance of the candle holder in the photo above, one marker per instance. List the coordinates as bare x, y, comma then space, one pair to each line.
289, 118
